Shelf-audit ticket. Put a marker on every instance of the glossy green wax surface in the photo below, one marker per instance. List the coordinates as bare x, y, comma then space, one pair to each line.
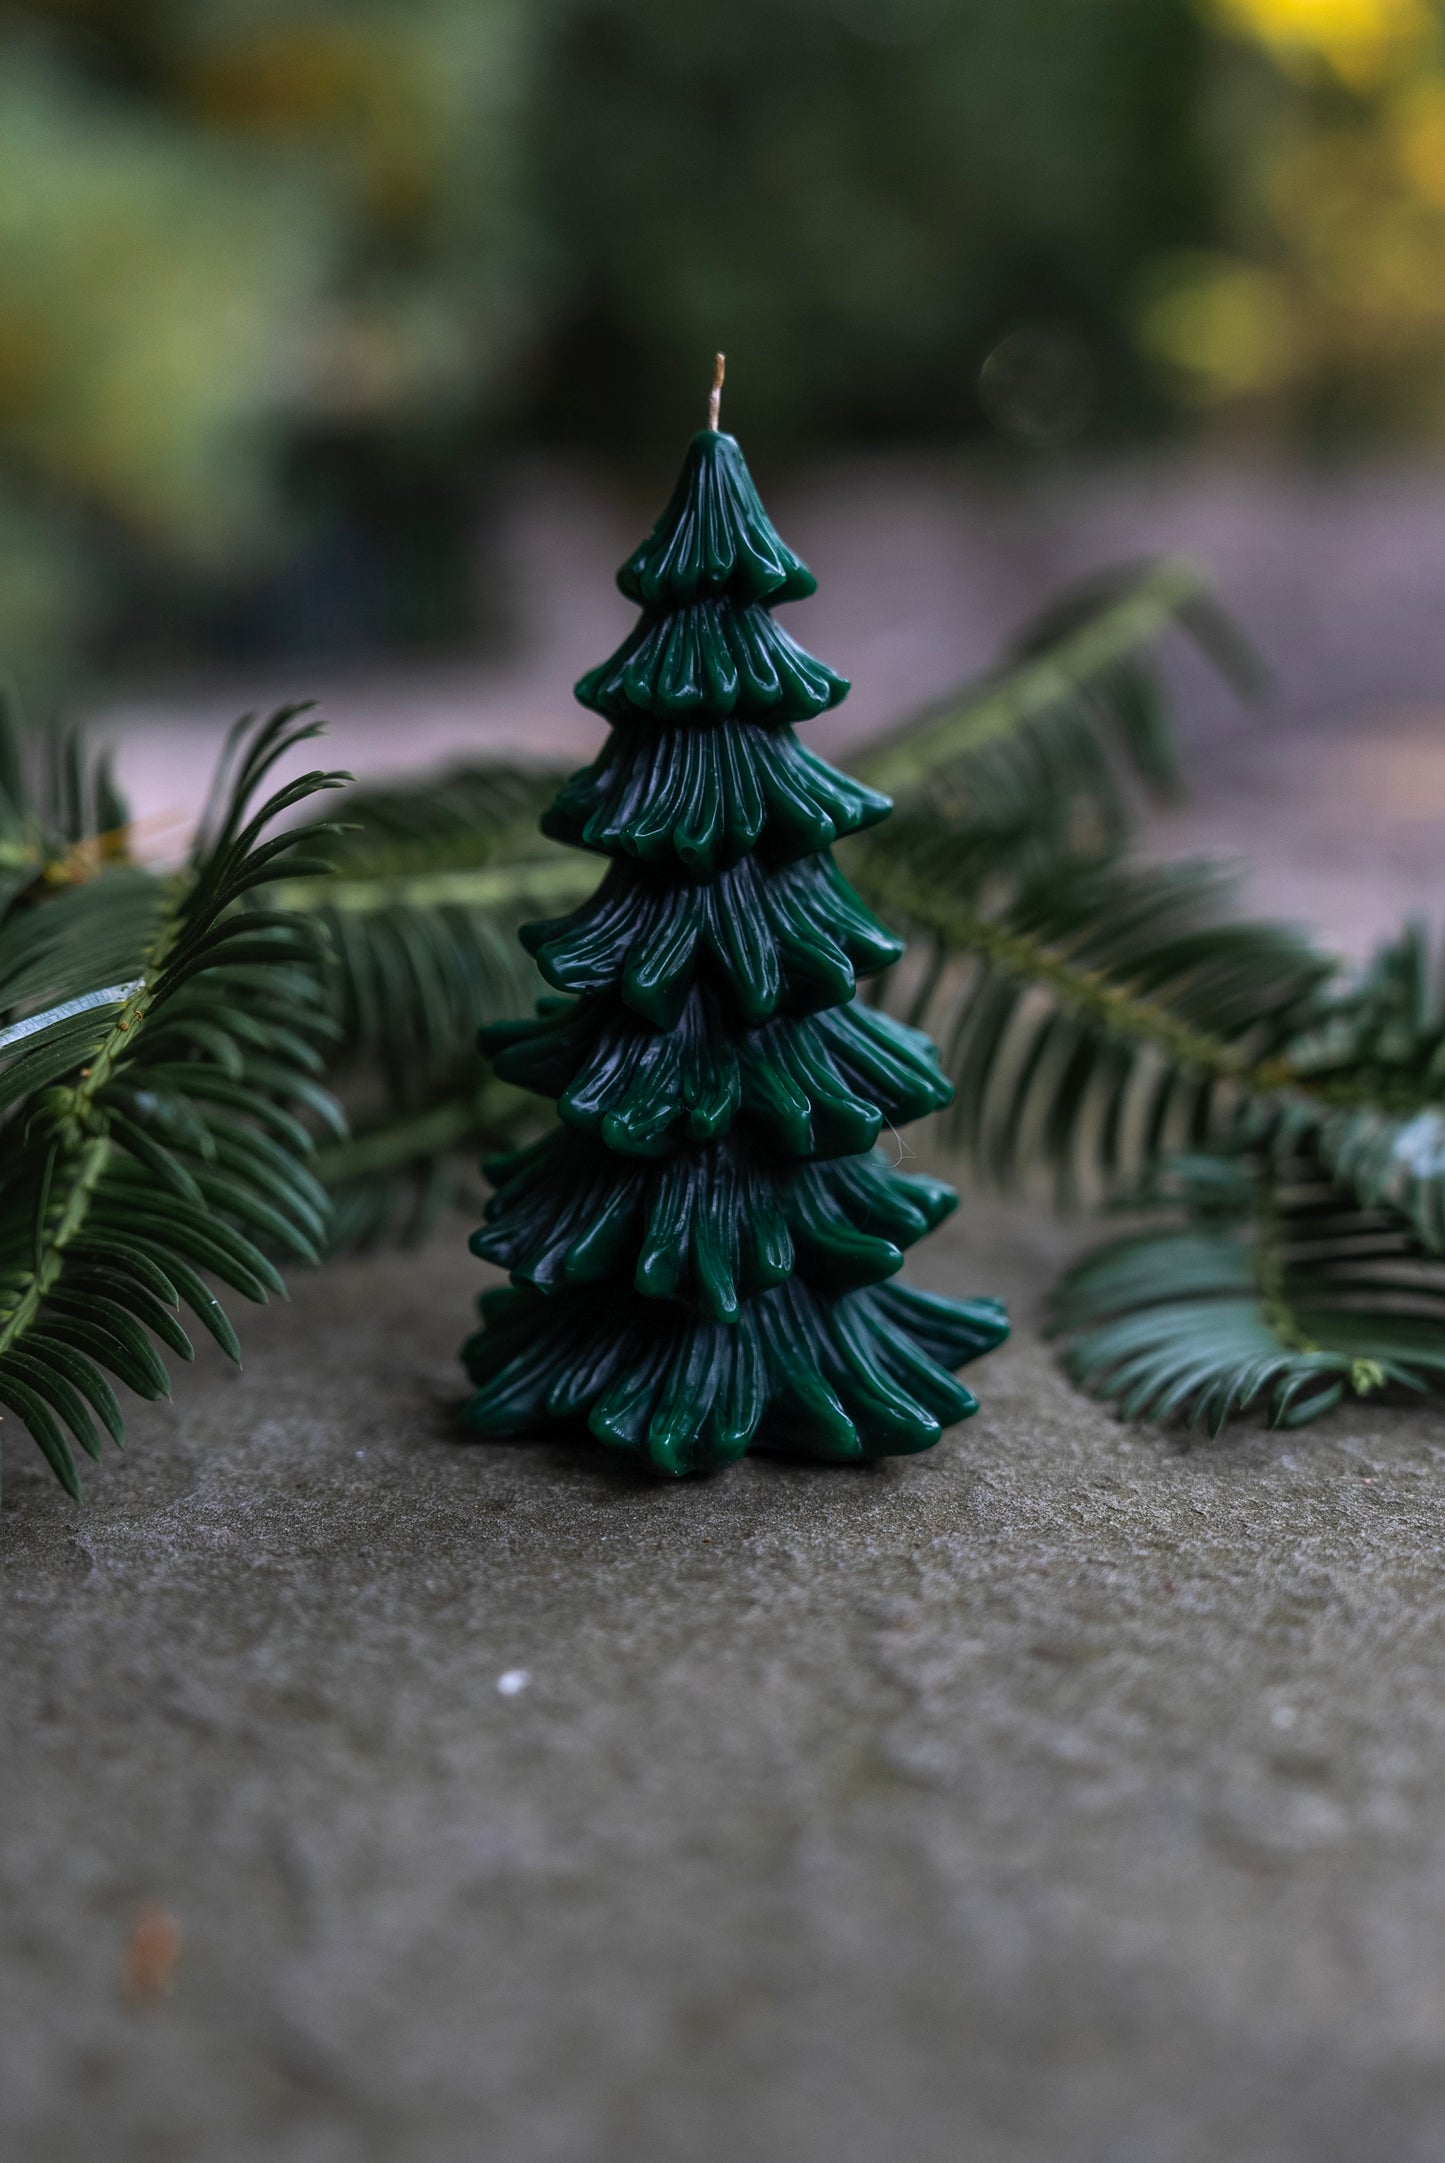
701, 1254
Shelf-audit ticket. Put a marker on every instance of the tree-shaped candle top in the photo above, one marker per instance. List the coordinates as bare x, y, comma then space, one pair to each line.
700, 1253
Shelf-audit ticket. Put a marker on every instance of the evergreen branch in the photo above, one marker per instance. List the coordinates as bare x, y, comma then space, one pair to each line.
1043, 765
1395, 1162
1275, 1289
165, 1139
466, 818
553, 880
1084, 992
1368, 1075
68, 1010
1104, 1015
919, 749
62, 819
391, 1182
418, 901
394, 1145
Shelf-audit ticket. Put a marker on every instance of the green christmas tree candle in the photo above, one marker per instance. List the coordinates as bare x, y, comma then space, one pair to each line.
702, 1253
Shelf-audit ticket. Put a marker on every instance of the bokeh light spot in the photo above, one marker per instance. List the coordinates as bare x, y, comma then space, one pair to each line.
1040, 385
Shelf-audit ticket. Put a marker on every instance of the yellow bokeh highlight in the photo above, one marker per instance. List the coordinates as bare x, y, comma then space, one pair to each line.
1326, 296
1416, 123
1359, 38
1224, 328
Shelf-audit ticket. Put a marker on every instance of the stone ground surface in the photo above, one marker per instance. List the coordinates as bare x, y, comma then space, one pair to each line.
1063, 1796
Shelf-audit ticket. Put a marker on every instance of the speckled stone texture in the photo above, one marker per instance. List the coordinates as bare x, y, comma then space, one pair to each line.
1062, 1794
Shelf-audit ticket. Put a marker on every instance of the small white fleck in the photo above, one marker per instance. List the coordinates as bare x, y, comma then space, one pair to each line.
361, 1453
513, 1682
1283, 1716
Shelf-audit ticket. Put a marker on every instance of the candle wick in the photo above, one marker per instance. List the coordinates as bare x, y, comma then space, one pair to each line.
714, 399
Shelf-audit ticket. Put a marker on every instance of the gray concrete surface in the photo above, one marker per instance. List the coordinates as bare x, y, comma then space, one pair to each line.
1064, 1796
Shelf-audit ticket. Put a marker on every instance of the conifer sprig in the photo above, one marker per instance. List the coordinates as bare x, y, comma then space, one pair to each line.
417, 908
157, 1130
1088, 645
1267, 1286
1104, 1014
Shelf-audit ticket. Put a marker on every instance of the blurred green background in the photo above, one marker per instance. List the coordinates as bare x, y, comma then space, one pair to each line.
281, 281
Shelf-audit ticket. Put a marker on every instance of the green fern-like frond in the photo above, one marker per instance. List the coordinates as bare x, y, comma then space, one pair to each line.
464, 818
391, 1182
1050, 750
1271, 1289
62, 818
1392, 1161
80, 806
1103, 1015
419, 909
1371, 1079
159, 1132
418, 912
1092, 1014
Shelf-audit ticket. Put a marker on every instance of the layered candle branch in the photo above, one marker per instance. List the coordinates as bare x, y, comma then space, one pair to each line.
700, 1255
